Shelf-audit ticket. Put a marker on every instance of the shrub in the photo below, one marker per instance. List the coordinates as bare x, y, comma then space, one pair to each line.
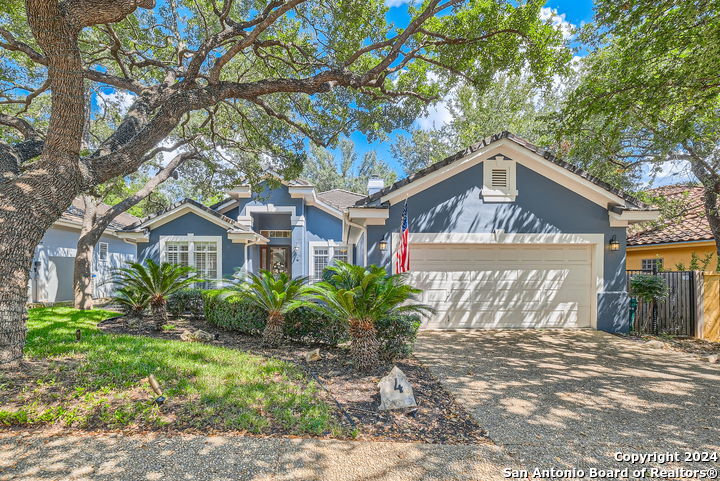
186, 300
648, 288
361, 296
308, 325
397, 334
225, 309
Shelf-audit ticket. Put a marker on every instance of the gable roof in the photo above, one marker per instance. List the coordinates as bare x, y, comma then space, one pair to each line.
486, 142
74, 215
340, 198
193, 204
691, 226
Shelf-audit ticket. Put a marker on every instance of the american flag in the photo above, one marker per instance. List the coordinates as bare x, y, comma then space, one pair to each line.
402, 262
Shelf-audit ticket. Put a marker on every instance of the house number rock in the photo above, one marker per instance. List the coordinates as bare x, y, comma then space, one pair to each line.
395, 391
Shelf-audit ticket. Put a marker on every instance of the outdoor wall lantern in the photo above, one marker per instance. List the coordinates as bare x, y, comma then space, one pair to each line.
296, 248
383, 244
614, 244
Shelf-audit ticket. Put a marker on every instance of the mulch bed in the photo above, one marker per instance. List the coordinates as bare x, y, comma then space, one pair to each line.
437, 419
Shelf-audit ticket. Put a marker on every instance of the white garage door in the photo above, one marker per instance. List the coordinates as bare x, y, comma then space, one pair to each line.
509, 286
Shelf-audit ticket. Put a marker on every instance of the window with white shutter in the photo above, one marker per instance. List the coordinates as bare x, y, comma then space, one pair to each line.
102, 251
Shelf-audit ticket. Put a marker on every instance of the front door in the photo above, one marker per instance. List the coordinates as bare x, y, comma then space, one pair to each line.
275, 259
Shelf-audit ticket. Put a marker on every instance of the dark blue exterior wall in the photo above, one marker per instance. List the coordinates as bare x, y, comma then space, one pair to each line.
542, 206
232, 254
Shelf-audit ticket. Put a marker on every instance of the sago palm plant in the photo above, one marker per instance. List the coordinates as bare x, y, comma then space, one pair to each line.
155, 282
276, 294
361, 296
133, 302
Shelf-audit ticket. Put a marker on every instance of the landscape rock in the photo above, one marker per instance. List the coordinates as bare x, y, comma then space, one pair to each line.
395, 391
655, 344
313, 355
197, 336
713, 359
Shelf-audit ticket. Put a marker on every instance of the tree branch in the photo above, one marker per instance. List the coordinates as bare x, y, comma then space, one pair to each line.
86, 13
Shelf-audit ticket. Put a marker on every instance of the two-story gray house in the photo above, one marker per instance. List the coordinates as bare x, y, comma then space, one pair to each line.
503, 235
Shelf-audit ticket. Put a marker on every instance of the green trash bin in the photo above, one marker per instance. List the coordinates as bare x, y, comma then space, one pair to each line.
633, 311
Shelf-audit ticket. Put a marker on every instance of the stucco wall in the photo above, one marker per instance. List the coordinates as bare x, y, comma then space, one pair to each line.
232, 254
51, 279
542, 206
671, 254
318, 225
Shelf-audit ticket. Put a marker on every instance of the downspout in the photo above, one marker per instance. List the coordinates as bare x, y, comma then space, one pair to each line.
363, 229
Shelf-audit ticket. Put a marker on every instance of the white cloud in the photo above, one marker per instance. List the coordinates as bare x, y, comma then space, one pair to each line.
117, 100
667, 173
558, 21
438, 115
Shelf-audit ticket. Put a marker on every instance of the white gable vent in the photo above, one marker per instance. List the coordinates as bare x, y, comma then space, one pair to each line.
499, 183
499, 178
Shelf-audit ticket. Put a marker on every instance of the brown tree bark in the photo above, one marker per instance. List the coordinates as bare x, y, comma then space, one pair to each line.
82, 273
94, 226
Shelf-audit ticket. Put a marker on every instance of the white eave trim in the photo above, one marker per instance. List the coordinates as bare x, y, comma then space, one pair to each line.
520, 154
133, 237
180, 211
241, 192
369, 216
247, 238
628, 217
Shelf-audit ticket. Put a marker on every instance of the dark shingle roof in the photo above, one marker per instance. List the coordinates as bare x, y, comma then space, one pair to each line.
692, 225
340, 198
137, 225
76, 211
636, 204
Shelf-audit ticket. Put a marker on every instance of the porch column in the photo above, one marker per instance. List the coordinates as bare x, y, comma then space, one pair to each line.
297, 246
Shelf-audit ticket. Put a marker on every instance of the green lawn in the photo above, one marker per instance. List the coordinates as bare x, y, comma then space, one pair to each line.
100, 382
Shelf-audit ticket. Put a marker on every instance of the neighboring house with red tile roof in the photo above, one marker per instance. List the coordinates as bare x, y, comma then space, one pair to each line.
672, 242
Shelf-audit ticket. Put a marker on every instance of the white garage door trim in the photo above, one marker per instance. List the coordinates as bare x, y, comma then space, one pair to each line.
596, 241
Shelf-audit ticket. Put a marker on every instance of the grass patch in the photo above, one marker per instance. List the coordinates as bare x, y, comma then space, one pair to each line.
100, 382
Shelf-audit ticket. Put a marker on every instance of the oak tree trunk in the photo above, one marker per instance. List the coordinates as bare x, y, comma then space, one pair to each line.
32, 202
82, 274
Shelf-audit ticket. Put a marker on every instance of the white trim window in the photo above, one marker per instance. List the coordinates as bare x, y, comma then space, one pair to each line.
102, 249
651, 264
323, 254
203, 253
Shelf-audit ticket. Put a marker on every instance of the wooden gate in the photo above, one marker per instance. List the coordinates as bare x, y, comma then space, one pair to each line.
676, 313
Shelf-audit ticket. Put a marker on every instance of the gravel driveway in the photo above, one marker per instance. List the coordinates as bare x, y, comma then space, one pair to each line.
43, 457
573, 398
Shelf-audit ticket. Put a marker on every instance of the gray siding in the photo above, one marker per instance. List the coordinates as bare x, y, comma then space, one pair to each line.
542, 206
52, 273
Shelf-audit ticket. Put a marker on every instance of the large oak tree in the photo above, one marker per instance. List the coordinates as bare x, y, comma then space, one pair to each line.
260, 76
